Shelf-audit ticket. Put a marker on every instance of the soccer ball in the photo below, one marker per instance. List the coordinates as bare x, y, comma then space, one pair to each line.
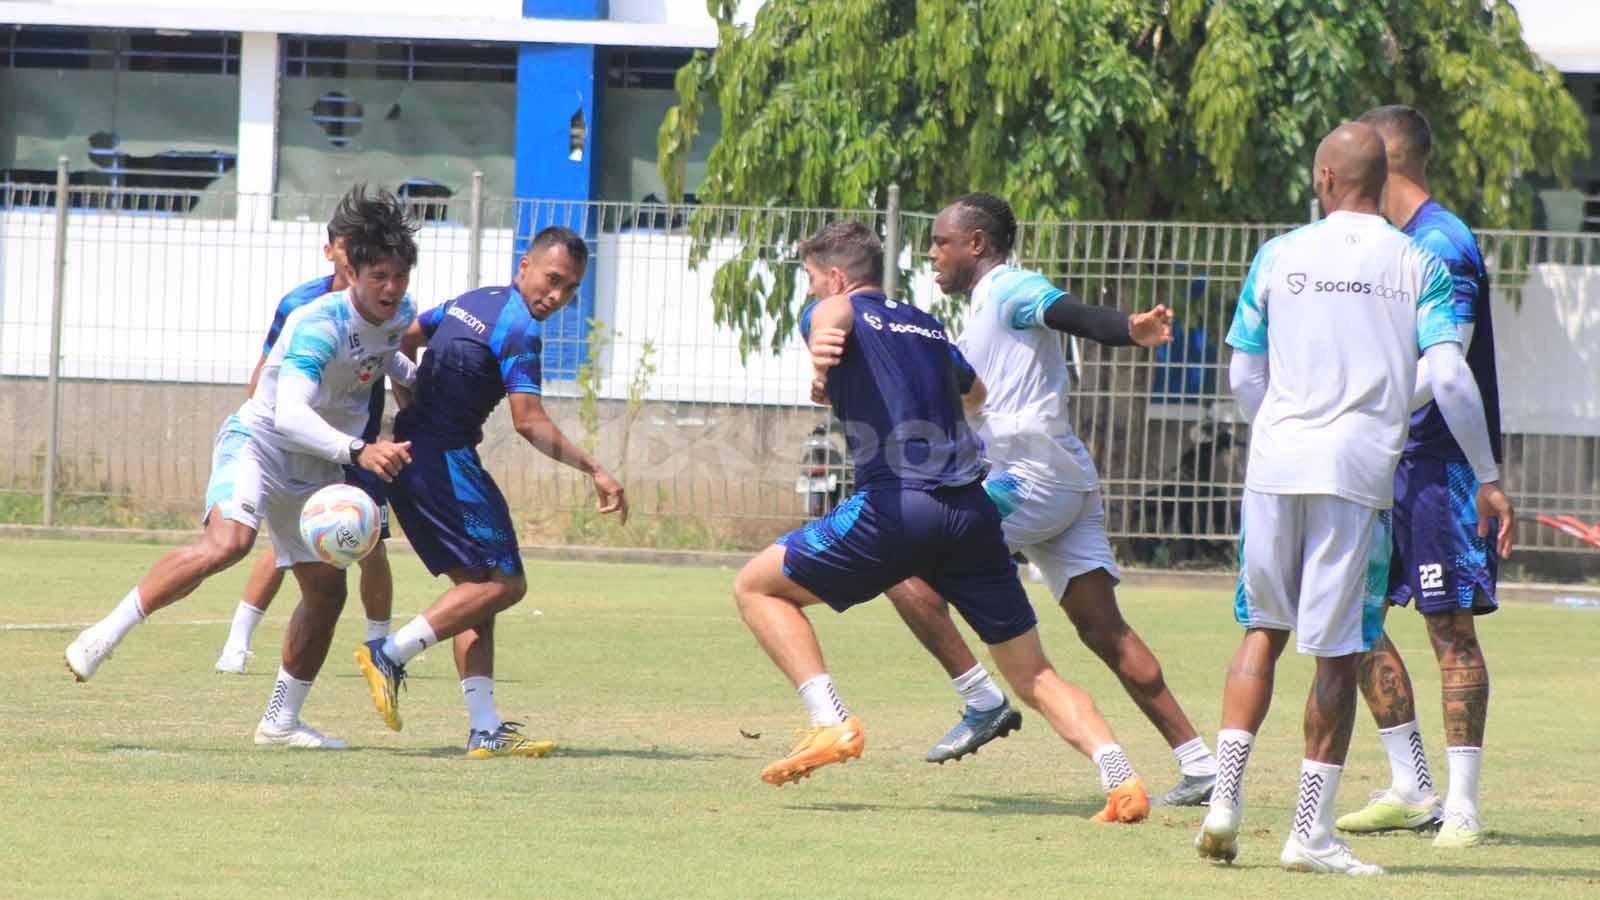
340, 524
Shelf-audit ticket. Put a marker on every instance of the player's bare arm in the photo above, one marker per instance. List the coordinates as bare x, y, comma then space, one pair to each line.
255, 376
834, 317
535, 426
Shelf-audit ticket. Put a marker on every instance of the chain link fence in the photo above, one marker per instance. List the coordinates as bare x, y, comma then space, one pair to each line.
130, 322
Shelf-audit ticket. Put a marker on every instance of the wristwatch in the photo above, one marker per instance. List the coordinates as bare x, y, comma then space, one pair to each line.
356, 446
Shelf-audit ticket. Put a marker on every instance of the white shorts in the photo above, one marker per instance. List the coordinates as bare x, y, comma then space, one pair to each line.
1314, 564
252, 480
1062, 532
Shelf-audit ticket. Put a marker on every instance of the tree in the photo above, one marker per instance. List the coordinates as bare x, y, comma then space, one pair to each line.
1077, 109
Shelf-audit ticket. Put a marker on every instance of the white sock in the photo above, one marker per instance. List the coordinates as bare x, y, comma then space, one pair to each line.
1408, 764
1313, 810
123, 617
413, 637
822, 701
1233, 751
377, 629
1462, 794
288, 695
479, 692
1194, 757
245, 620
978, 689
1114, 766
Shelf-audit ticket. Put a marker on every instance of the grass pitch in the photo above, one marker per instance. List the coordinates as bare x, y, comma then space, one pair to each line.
145, 783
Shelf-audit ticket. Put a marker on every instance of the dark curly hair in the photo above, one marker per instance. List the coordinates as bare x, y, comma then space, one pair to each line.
375, 226
983, 211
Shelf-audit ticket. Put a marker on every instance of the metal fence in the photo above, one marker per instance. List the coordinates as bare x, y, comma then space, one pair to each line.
130, 323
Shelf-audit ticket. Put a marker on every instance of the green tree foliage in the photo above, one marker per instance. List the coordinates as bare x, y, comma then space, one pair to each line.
1085, 109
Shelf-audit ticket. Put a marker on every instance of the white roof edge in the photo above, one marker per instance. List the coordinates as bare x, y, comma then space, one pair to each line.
510, 31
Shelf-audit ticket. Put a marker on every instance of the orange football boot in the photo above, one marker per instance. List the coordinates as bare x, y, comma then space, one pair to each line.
819, 746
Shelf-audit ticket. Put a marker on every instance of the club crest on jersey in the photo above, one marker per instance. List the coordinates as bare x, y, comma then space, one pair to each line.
367, 368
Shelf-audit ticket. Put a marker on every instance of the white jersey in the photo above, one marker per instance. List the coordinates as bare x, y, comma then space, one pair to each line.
1342, 309
1023, 366
328, 343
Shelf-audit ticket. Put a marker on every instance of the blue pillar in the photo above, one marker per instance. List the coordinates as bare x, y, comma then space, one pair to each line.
557, 93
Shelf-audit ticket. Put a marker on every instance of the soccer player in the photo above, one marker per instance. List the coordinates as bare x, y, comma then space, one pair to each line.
1042, 479
1330, 322
286, 442
484, 345
1440, 561
919, 509
377, 582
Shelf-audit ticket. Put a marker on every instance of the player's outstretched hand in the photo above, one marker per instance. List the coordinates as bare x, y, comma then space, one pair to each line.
1493, 503
1148, 329
385, 459
609, 493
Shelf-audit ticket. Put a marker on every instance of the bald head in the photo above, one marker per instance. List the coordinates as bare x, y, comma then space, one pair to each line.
1350, 168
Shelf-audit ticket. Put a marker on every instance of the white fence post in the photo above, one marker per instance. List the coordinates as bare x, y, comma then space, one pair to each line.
891, 242
58, 291
475, 233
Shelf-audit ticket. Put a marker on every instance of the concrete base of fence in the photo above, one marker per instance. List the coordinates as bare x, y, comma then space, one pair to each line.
1186, 580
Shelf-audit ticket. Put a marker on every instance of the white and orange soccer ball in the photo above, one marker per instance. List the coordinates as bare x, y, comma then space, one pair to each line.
340, 524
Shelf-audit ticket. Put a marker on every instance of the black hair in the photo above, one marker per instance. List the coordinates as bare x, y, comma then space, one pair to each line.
1406, 127
851, 246
375, 226
983, 211
558, 235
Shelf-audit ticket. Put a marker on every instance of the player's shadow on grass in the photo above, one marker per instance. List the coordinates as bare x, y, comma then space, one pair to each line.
980, 805
1541, 872
563, 751
1021, 805
1548, 839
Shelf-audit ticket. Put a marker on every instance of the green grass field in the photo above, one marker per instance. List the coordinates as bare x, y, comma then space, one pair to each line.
144, 783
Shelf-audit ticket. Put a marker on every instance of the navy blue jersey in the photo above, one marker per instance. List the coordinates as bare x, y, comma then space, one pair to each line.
299, 297
1438, 229
897, 390
482, 345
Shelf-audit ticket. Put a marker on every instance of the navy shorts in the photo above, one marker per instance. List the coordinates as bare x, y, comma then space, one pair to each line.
374, 487
1439, 560
950, 537
453, 513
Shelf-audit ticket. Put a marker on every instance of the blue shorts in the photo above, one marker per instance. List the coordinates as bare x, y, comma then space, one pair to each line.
949, 537
453, 513
1439, 560
374, 487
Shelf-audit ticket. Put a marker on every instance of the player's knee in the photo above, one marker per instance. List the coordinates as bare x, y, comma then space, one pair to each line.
510, 591
223, 550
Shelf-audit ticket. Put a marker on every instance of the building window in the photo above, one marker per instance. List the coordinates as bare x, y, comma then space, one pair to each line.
415, 117
399, 60
150, 118
649, 69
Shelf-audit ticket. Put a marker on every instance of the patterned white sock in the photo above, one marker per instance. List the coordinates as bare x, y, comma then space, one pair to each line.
479, 693
822, 701
1313, 809
288, 695
377, 629
1194, 757
977, 688
245, 620
1114, 766
1462, 794
1233, 752
1408, 763
413, 637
